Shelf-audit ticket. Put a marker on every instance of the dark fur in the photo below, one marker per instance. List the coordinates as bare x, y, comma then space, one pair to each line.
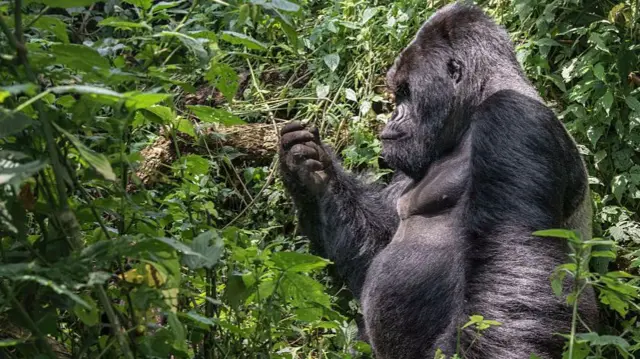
481, 163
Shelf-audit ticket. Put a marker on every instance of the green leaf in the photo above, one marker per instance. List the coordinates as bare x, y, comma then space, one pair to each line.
633, 103
598, 41
194, 45
614, 302
5, 343
144, 4
12, 172
558, 233
332, 61
97, 160
298, 262
598, 72
13, 122
164, 5
79, 57
368, 14
607, 101
179, 246
236, 291
209, 245
89, 317
303, 290
322, 91
60, 289
351, 95
603, 340
242, 39
285, 5
64, 3
224, 78
137, 101
619, 186
123, 24
159, 114
185, 126
49, 23
211, 115
200, 319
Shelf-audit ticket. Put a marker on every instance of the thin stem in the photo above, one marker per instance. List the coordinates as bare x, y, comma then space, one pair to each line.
113, 319
574, 316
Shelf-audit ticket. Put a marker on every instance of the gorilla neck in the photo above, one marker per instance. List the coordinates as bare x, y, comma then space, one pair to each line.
441, 187
509, 80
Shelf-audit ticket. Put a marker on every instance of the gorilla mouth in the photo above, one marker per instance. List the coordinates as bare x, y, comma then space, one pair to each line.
391, 136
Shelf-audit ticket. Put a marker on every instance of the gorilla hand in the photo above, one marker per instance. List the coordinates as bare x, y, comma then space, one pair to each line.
304, 158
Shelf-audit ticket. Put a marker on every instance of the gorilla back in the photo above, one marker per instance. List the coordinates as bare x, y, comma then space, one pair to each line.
481, 163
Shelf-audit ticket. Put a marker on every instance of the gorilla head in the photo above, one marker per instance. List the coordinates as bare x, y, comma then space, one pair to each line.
458, 58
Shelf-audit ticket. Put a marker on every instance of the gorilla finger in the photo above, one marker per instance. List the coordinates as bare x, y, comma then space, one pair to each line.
313, 165
292, 138
302, 151
291, 126
316, 134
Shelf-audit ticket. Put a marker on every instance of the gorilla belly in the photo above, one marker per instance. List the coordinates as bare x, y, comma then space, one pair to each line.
411, 290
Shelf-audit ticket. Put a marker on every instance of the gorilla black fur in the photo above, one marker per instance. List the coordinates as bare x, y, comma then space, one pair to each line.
481, 163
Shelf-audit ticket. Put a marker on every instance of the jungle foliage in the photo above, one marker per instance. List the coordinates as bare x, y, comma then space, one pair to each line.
133, 224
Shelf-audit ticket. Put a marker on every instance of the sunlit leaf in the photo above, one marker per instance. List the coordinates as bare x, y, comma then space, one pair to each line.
285, 5
123, 24
144, 4
210, 114
224, 78
298, 262
332, 61
209, 245
369, 13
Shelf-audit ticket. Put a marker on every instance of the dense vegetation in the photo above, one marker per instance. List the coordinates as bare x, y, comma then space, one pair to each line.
142, 213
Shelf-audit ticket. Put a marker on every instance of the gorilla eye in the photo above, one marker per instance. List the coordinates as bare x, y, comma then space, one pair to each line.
403, 92
454, 68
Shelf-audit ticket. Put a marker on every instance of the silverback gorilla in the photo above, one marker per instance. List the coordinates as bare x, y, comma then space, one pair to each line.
480, 164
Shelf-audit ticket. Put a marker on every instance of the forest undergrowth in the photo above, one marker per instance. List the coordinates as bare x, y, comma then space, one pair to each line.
141, 212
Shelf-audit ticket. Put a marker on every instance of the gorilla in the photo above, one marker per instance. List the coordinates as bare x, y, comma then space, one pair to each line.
480, 164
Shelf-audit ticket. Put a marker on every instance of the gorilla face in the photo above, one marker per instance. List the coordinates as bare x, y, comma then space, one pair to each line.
424, 80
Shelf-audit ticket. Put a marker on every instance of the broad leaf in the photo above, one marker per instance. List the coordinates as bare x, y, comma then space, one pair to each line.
210, 114
285, 5
144, 4
242, 39
56, 26
332, 61
15, 173
298, 262
97, 160
79, 57
209, 245
13, 122
224, 78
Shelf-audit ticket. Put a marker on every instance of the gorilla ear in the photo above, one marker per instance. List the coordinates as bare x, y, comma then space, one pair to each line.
454, 68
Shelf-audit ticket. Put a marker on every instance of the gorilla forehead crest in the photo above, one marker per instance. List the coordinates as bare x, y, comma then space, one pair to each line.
458, 28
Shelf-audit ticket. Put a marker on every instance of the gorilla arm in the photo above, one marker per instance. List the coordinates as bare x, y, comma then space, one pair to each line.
347, 221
